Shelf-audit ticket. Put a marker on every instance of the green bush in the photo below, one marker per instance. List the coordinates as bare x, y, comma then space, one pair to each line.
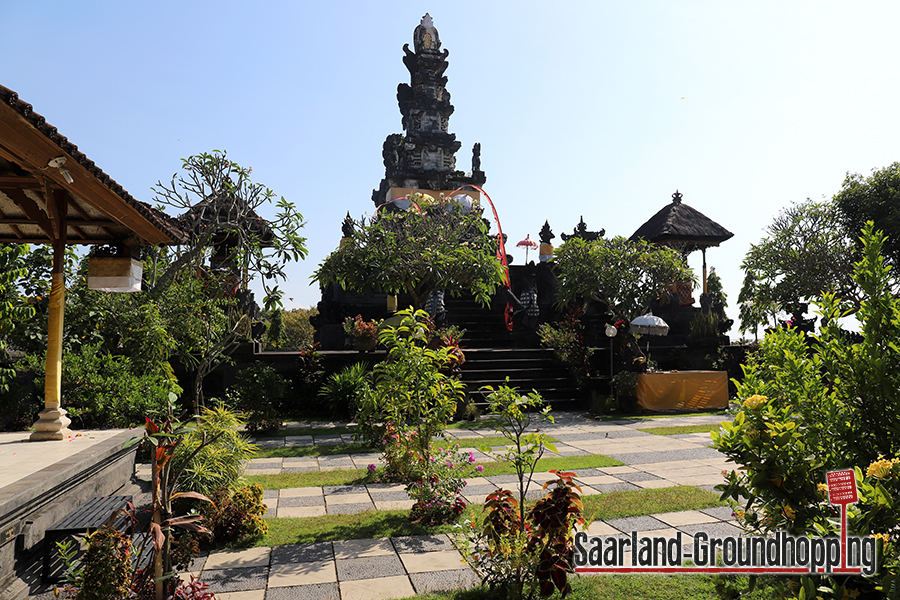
411, 394
567, 341
832, 406
103, 390
342, 391
257, 393
236, 514
220, 463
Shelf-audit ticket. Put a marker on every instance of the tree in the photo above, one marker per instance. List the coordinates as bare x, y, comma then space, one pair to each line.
221, 204
230, 244
298, 331
623, 274
12, 310
807, 251
875, 198
413, 252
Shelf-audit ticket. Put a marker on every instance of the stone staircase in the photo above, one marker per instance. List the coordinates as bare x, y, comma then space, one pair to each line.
493, 354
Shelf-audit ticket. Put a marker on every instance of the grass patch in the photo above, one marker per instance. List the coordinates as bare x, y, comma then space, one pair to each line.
636, 587
679, 429
310, 431
313, 451
359, 476
310, 479
328, 528
720, 413
493, 440
567, 463
636, 503
363, 448
392, 523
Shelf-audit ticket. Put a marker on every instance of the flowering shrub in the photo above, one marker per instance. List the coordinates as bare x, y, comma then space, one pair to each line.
438, 490
401, 454
811, 410
411, 400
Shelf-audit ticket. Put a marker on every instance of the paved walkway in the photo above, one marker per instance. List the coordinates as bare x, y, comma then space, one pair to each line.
403, 566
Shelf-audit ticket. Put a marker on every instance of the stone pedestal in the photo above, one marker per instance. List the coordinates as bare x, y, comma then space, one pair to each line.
52, 424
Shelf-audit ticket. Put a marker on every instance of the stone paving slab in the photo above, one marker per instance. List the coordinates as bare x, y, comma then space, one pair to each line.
369, 567
315, 591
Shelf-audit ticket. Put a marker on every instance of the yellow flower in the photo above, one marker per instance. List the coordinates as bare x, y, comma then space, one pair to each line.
884, 537
881, 468
754, 401
789, 512
850, 593
823, 489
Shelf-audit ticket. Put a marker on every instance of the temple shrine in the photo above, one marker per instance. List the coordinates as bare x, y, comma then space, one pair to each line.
424, 157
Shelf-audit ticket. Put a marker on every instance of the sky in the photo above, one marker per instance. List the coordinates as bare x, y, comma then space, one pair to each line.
599, 109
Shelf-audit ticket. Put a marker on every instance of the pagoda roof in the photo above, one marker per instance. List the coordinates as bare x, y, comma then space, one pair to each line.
678, 222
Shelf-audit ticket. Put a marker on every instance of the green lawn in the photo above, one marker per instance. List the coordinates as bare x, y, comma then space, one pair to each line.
363, 448
660, 416
679, 429
360, 476
633, 587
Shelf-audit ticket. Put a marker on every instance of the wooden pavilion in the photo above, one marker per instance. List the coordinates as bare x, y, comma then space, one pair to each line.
684, 229
51, 193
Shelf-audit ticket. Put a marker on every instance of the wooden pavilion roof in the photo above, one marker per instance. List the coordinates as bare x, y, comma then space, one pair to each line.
36, 197
679, 224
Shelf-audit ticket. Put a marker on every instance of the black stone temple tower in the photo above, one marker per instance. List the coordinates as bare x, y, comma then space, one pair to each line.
424, 158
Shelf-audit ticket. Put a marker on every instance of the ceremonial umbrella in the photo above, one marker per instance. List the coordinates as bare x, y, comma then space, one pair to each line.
528, 243
649, 325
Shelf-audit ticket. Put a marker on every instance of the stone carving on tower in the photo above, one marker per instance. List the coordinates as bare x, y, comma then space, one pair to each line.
424, 157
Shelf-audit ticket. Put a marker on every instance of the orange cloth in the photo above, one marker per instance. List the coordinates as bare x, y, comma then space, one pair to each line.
683, 390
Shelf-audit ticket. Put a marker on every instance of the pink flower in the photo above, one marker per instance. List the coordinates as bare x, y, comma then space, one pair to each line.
371, 469
471, 457
479, 468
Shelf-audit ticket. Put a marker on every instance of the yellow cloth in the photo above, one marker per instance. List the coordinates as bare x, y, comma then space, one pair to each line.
683, 390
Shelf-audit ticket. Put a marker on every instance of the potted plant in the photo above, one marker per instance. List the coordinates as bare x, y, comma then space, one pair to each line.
363, 333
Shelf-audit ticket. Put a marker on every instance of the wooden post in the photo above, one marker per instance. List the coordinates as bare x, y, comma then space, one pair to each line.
52, 423
703, 251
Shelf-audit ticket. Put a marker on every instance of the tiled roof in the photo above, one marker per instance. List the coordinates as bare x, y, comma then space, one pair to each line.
158, 219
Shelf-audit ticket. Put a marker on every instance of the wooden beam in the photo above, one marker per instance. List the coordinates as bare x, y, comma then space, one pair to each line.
69, 241
71, 222
24, 182
32, 211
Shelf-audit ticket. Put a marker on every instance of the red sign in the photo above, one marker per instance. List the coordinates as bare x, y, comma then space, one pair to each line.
842, 487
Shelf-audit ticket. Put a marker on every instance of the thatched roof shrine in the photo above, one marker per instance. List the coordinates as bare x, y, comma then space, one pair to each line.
681, 227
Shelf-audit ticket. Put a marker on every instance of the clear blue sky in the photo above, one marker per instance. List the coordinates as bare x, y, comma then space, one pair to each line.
601, 109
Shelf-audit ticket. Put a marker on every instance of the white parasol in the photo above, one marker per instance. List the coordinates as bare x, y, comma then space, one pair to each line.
649, 325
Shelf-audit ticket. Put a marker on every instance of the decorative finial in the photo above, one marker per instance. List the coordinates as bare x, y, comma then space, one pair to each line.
427, 21
676, 197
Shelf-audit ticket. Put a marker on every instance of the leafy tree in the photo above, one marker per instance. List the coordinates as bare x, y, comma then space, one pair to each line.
230, 243
275, 330
11, 309
417, 252
623, 274
807, 251
221, 204
298, 331
874, 198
